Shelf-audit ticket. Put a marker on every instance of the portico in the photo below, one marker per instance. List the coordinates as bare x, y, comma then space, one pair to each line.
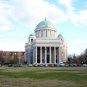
46, 55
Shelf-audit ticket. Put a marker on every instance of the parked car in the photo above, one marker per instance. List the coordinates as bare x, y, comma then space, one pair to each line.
85, 65
17, 65
30, 65
61, 64
10, 65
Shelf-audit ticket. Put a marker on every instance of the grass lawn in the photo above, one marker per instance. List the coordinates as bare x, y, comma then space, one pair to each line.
43, 76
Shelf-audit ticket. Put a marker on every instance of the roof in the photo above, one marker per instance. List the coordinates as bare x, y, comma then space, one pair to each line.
45, 24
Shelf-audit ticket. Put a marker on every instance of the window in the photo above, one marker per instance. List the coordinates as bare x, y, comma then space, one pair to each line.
46, 33
41, 33
31, 40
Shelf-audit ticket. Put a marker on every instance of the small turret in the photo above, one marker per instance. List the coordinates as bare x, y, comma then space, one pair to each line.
31, 38
60, 37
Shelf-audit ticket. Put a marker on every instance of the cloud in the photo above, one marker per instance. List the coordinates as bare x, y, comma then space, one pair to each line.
76, 46
28, 12
4, 23
4, 12
12, 46
82, 17
79, 17
68, 5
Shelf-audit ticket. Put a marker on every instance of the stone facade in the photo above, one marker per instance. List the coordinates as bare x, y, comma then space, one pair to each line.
44, 47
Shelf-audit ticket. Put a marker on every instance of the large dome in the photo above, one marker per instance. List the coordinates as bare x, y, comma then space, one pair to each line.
45, 29
45, 24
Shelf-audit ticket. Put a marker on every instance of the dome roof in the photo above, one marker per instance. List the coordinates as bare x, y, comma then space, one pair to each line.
45, 24
32, 34
60, 37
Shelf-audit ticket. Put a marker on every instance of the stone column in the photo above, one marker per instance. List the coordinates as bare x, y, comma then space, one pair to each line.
33, 55
50, 55
54, 55
59, 55
45, 55
36, 54
40, 55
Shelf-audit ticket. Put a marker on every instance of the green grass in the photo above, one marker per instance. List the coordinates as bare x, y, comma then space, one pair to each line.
46, 73
67, 76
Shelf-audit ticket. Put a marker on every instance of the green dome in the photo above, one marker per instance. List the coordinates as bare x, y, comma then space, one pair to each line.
60, 37
32, 34
45, 24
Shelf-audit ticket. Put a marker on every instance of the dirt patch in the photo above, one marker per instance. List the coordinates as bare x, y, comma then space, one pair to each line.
82, 74
27, 82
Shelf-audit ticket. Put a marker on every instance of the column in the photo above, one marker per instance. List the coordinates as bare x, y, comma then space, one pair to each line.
45, 55
50, 55
36, 54
40, 55
33, 55
54, 55
59, 55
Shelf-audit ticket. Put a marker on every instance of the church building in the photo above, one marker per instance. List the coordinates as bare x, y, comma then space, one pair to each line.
44, 47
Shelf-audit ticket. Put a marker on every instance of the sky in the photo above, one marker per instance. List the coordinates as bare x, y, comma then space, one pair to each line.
18, 19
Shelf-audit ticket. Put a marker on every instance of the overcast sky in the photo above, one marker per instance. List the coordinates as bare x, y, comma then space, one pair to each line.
18, 19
